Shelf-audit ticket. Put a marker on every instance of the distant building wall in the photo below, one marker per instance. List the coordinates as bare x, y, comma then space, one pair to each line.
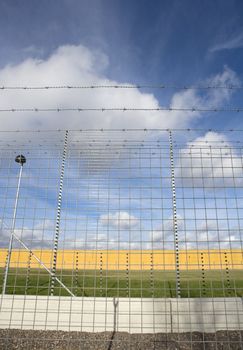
132, 259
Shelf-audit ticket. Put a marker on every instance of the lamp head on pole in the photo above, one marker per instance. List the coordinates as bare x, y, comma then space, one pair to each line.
20, 159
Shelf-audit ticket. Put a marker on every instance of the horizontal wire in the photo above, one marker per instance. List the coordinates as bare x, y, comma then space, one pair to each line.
133, 86
92, 131
123, 109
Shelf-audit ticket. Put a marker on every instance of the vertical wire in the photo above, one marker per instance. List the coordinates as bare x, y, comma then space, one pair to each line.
225, 186
18, 272
151, 262
36, 273
85, 290
187, 206
97, 248
226, 219
119, 294
205, 217
207, 182
185, 228
34, 240
63, 273
38, 266
66, 268
140, 235
58, 216
232, 253
128, 257
163, 164
210, 184
161, 261
109, 275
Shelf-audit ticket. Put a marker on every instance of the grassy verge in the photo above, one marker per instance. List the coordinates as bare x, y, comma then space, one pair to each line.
213, 283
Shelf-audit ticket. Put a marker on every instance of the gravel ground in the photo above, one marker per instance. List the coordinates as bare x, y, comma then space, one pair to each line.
42, 340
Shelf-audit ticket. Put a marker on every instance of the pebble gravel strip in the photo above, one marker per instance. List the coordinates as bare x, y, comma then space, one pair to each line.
13, 339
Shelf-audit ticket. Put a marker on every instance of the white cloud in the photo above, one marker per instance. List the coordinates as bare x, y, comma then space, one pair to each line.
210, 160
75, 65
40, 236
209, 235
165, 233
119, 220
229, 44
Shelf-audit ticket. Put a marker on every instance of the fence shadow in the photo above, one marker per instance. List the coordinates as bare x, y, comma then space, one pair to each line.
115, 304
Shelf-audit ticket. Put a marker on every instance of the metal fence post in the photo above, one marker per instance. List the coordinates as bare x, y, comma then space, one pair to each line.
20, 159
175, 221
58, 216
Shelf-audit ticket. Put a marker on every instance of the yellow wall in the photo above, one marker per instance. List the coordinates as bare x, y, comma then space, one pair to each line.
132, 260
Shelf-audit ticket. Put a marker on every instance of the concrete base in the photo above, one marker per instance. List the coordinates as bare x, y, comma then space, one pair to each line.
132, 315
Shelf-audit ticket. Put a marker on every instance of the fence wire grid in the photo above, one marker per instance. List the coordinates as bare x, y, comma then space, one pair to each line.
121, 239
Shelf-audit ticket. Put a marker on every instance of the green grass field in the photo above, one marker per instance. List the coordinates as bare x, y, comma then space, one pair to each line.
213, 283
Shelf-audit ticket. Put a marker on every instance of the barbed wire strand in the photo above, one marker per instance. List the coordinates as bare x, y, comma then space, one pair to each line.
124, 109
91, 130
134, 86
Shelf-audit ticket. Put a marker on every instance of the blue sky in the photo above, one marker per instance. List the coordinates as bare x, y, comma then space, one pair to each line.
142, 30
145, 41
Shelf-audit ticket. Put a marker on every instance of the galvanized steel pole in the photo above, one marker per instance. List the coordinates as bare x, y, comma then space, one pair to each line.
21, 160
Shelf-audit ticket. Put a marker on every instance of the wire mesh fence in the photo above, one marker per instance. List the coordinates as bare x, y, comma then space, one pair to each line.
133, 233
